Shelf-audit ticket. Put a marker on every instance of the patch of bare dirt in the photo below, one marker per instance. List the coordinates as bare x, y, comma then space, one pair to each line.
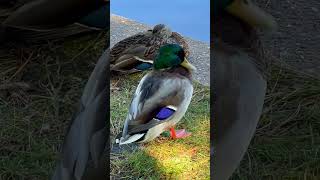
297, 41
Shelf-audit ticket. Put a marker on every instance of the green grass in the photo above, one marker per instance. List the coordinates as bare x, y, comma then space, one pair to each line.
33, 120
163, 158
287, 141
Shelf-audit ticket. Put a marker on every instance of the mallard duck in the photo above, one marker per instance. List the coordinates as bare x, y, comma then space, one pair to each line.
161, 98
83, 152
136, 53
239, 81
34, 20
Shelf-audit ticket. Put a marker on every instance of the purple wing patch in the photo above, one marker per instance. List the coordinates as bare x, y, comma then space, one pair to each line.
164, 113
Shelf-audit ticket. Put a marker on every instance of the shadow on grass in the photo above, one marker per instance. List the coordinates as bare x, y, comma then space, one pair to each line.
40, 86
166, 159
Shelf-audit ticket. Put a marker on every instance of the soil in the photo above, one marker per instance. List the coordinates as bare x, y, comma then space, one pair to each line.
297, 41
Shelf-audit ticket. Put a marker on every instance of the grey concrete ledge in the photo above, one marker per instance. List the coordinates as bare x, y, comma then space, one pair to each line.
122, 28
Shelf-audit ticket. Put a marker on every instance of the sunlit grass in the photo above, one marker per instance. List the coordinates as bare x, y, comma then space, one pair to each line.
184, 158
164, 158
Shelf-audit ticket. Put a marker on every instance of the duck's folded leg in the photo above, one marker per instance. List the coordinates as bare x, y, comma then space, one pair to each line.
178, 134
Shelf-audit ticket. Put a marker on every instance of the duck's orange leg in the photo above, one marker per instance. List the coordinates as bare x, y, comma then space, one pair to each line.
178, 134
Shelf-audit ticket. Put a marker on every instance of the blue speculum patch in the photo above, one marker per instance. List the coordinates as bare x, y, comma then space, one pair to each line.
165, 113
144, 66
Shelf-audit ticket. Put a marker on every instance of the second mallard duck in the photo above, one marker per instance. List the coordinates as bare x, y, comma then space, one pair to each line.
136, 53
161, 98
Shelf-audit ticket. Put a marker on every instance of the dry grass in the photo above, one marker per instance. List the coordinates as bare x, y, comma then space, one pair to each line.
39, 88
287, 141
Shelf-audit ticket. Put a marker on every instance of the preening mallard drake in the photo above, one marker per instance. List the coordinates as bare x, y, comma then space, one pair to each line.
136, 53
161, 98
51, 19
239, 82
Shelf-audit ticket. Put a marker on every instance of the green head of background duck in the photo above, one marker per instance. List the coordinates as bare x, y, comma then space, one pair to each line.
161, 98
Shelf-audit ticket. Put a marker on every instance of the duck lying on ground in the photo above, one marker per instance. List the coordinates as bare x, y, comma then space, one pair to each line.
136, 53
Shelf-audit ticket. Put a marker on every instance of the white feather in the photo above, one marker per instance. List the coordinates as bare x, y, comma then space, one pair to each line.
143, 60
131, 139
134, 107
172, 107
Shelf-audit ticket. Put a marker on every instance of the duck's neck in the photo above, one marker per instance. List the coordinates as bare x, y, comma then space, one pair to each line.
182, 71
232, 36
236, 33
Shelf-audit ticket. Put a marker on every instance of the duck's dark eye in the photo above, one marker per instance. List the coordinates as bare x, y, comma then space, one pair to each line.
164, 113
181, 54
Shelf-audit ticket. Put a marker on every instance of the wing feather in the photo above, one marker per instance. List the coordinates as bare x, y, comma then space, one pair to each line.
153, 93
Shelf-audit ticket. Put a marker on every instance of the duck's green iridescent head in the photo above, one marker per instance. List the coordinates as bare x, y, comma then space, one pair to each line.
171, 55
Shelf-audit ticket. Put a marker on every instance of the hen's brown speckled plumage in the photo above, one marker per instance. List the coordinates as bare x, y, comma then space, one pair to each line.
143, 45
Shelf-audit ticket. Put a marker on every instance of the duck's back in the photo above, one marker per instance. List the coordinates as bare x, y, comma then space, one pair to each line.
122, 47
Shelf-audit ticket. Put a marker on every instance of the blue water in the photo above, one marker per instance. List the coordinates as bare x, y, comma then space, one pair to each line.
189, 17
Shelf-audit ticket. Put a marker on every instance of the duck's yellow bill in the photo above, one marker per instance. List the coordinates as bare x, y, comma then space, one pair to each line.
187, 65
252, 14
